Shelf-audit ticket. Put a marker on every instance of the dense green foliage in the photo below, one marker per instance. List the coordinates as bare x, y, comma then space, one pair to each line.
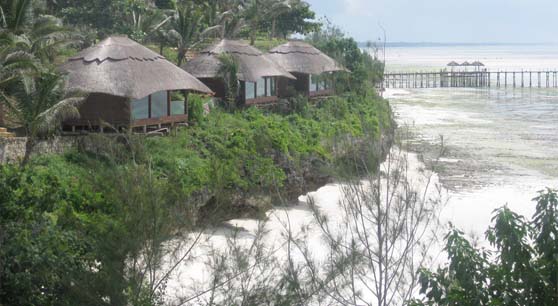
365, 69
186, 24
238, 152
70, 224
90, 227
521, 268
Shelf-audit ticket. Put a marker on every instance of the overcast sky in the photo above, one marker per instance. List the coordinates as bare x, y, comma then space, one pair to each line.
471, 21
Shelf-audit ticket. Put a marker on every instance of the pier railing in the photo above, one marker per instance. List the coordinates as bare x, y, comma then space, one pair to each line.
472, 79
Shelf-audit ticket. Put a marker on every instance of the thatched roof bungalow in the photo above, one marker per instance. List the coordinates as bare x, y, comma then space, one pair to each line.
257, 74
130, 86
310, 66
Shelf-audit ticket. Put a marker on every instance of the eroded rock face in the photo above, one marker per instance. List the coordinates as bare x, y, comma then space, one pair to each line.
304, 177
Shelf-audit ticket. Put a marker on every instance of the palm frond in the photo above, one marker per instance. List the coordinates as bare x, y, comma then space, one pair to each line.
210, 31
19, 62
11, 111
20, 14
68, 108
278, 8
174, 36
3, 18
224, 16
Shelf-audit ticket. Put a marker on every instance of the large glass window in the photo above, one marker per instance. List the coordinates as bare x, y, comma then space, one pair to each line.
268, 82
159, 104
273, 86
260, 88
250, 90
313, 83
177, 107
322, 84
140, 108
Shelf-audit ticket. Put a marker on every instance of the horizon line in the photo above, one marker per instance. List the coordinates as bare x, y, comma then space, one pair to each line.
424, 43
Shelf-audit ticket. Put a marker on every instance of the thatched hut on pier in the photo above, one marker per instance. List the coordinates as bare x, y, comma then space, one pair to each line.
477, 65
129, 86
311, 67
257, 74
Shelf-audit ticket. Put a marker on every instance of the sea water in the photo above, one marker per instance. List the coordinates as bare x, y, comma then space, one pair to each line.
502, 143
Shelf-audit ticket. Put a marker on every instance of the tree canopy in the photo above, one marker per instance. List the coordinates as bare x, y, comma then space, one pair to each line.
520, 268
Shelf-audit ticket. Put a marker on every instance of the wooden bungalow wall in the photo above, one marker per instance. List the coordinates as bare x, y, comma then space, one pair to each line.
108, 108
300, 85
217, 86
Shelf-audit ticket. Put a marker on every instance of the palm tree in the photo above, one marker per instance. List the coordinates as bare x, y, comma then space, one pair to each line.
276, 8
3, 23
39, 104
149, 24
229, 24
186, 26
253, 11
43, 35
228, 72
16, 15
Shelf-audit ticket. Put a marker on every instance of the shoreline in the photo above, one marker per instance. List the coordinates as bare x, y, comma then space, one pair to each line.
477, 183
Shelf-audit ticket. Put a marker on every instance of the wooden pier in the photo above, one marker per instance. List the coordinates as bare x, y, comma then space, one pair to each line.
472, 79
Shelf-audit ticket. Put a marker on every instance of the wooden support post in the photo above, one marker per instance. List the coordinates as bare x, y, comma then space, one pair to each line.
539, 78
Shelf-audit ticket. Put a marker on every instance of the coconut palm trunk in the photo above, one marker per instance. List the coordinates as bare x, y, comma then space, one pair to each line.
273, 28
29, 147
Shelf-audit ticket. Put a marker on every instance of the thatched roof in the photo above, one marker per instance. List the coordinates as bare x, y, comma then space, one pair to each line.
453, 64
252, 63
466, 64
300, 57
477, 63
121, 67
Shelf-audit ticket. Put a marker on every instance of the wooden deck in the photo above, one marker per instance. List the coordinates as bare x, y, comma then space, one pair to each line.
141, 125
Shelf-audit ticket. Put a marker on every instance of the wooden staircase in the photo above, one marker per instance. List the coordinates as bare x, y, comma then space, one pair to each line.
5, 134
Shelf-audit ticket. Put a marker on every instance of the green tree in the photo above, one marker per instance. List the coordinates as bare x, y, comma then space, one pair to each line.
229, 23
228, 72
254, 10
276, 9
366, 70
521, 270
165, 4
39, 105
25, 30
106, 16
186, 26
298, 17
148, 24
